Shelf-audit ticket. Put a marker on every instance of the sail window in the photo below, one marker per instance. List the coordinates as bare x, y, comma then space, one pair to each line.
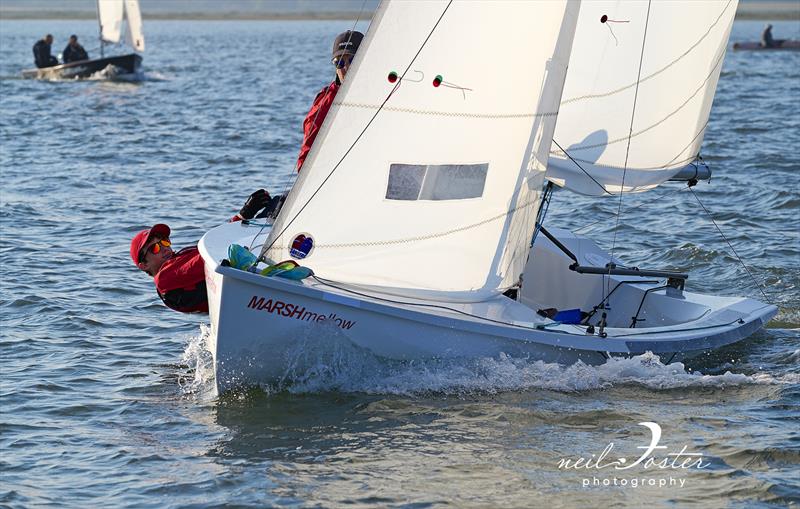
436, 182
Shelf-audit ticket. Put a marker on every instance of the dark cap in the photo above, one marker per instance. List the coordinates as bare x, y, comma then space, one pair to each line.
346, 42
143, 237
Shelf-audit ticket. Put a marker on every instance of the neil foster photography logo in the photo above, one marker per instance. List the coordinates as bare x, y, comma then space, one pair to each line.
648, 460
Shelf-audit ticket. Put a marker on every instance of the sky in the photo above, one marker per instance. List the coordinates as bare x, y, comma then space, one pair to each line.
200, 6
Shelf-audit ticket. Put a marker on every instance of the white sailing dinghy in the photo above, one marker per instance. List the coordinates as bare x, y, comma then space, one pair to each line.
417, 205
113, 16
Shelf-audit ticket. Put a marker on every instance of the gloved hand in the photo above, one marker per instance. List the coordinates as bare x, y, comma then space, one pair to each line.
254, 203
273, 207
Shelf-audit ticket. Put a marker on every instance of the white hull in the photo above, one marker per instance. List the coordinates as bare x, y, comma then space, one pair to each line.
257, 320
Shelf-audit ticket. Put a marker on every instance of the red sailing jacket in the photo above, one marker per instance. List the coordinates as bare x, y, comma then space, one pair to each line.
181, 282
316, 115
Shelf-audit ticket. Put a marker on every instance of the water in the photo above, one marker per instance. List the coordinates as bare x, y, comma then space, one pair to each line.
105, 394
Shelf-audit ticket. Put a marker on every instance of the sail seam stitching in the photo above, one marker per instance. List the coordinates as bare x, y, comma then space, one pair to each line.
646, 78
448, 113
420, 237
662, 167
653, 126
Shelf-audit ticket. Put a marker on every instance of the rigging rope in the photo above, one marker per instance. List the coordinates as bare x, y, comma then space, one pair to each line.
656, 73
633, 115
347, 152
758, 285
607, 281
293, 172
586, 227
541, 214
662, 120
646, 129
581, 167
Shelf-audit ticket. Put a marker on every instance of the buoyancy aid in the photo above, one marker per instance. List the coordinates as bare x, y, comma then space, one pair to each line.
181, 282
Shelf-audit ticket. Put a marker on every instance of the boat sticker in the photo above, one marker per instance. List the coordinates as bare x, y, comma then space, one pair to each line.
302, 245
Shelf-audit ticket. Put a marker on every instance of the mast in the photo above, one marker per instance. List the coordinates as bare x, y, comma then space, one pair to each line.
100, 25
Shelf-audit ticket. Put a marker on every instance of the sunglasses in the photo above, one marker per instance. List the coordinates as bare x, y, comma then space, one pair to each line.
342, 62
156, 248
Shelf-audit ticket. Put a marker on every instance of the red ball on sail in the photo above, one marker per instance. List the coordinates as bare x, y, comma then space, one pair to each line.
603, 18
392, 77
437, 80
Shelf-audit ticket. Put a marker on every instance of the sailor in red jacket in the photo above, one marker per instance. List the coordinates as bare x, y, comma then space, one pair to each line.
344, 50
180, 276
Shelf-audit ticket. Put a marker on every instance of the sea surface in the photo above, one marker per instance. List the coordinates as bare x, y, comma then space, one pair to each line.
106, 396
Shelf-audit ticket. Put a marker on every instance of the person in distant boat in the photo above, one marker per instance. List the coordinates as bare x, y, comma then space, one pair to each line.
180, 276
344, 50
41, 52
766, 37
74, 51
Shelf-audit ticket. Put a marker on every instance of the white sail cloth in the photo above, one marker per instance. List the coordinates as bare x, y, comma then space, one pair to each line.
435, 192
134, 36
112, 13
681, 56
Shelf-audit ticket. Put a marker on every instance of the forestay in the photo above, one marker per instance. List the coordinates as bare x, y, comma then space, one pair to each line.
435, 193
134, 36
109, 15
681, 53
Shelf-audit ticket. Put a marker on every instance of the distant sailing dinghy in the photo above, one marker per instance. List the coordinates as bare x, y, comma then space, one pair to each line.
428, 184
783, 45
110, 14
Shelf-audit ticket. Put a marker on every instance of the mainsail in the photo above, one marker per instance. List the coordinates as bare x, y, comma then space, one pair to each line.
427, 172
109, 15
681, 46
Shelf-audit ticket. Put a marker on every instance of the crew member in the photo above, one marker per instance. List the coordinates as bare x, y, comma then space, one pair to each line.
766, 37
180, 276
344, 50
41, 52
74, 51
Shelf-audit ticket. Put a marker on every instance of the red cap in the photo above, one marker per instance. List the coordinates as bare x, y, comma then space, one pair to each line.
143, 237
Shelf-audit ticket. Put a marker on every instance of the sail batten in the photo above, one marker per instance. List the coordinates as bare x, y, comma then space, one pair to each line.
674, 100
438, 193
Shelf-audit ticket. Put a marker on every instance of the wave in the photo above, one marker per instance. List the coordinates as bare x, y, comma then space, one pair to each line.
109, 74
112, 73
325, 364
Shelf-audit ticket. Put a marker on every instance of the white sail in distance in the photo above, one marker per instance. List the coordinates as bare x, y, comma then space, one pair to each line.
681, 46
110, 14
424, 193
134, 36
